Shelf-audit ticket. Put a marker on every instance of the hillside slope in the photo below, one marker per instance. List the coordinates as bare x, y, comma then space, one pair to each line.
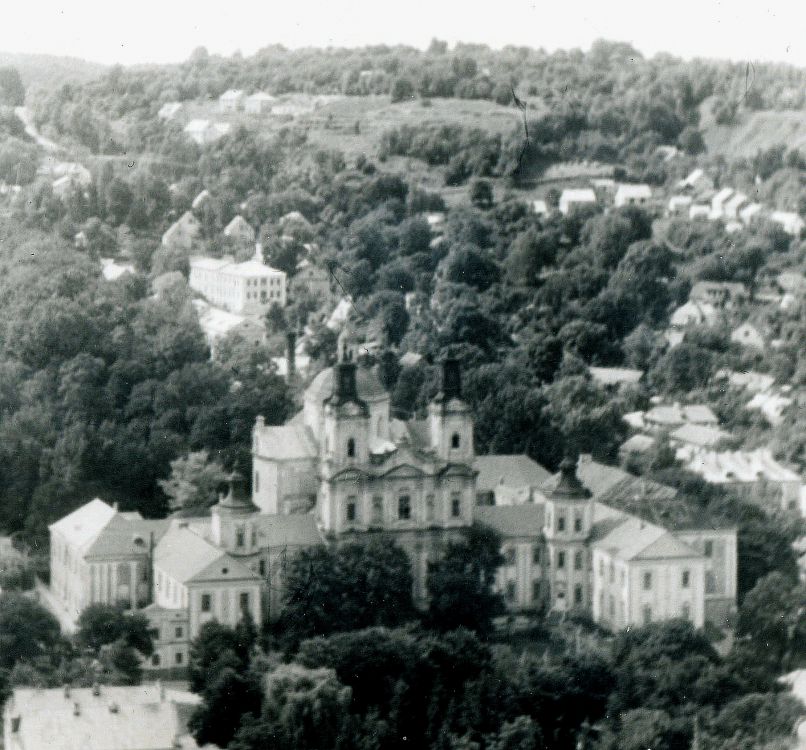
50, 71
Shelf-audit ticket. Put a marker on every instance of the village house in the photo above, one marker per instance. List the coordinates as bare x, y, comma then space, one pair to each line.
259, 103
240, 231
217, 324
103, 717
169, 110
730, 210
748, 336
693, 314
111, 270
248, 288
718, 203
696, 182
204, 131
311, 279
231, 100
199, 201
789, 221
615, 377
573, 199
183, 233
750, 213
699, 211
679, 204
720, 294
540, 207
633, 195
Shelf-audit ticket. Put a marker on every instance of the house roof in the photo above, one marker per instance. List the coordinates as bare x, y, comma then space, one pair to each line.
261, 96
722, 196
125, 536
615, 375
698, 434
512, 520
510, 470
637, 444
298, 530
240, 227
200, 198
737, 466
633, 191
187, 557
693, 312
119, 718
578, 195
634, 539
82, 527
231, 94
285, 442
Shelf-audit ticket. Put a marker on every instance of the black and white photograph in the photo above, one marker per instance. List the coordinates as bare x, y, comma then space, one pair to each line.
402, 376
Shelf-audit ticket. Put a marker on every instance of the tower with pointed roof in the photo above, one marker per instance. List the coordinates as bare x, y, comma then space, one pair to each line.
450, 421
233, 526
567, 526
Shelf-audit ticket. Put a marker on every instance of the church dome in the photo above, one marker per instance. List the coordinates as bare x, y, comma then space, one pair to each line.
368, 385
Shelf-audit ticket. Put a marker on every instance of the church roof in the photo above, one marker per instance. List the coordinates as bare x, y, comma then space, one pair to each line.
187, 557
566, 484
298, 530
369, 385
511, 470
82, 527
285, 442
512, 520
124, 537
634, 539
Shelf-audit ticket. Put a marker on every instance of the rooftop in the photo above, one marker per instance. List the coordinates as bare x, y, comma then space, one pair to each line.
615, 375
285, 442
510, 470
512, 520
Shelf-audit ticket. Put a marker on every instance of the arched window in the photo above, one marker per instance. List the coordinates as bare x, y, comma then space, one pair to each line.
351, 448
257, 481
455, 440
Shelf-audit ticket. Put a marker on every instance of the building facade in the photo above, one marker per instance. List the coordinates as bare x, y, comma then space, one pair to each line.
248, 288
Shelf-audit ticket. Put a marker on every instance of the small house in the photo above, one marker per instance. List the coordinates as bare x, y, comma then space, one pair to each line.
573, 199
679, 204
748, 336
231, 101
633, 195
789, 221
259, 103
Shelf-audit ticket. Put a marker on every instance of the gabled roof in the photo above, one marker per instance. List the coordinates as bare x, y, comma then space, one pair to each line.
633, 191
512, 520
634, 539
124, 537
285, 442
698, 434
510, 470
240, 227
83, 526
578, 195
368, 384
615, 375
188, 558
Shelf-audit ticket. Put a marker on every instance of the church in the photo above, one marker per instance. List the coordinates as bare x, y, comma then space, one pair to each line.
343, 468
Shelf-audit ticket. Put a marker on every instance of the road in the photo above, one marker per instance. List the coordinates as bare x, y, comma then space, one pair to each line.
30, 128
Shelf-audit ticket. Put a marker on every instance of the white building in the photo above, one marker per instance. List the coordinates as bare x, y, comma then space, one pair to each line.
217, 324
718, 203
248, 288
679, 204
259, 103
789, 221
747, 335
204, 131
633, 195
572, 199
733, 205
540, 207
750, 212
231, 101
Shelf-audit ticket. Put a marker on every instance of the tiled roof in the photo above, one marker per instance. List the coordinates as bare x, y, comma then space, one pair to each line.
636, 539
615, 375
125, 537
286, 442
369, 385
698, 434
512, 520
82, 527
512, 470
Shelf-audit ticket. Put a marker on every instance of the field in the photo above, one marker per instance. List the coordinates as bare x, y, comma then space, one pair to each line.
754, 131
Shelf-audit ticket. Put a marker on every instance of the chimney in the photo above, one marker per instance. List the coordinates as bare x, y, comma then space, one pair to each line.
76, 709
66, 691
451, 379
291, 355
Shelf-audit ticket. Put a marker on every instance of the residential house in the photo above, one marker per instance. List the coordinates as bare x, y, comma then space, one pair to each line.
748, 336
183, 233
248, 288
141, 717
699, 211
311, 279
573, 199
199, 201
718, 293
204, 132
635, 446
718, 203
540, 207
789, 221
615, 376
698, 435
217, 324
679, 204
169, 110
259, 103
231, 100
239, 230
696, 182
693, 314
771, 405
111, 270
732, 206
749, 213
633, 195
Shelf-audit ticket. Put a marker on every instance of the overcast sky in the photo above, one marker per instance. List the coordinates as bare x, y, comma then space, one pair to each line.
135, 31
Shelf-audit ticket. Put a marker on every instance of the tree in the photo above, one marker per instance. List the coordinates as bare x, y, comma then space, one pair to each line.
18, 161
519, 734
460, 585
214, 648
355, 586
402, 89
481, 194
194, 483
27, 630
100, 625
12, 91
303, 709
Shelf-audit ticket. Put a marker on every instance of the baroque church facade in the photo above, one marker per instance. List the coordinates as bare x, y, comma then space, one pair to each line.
342, 469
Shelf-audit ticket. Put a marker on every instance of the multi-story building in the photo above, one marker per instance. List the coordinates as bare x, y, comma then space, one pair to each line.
248, 288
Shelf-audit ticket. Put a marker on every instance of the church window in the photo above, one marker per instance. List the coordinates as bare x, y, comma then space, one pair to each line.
178, 657
206, 602
709, 549
455, 440
577, 594
560, 523
686, 611
240, 537
647, 615
537, 592
178, 632
254, 536
352, 510
577, 561
647, 581
577, 523
261, 567
456, 504
244, 601
257, 481
509, 556
155, 660
536, 555
510, 591
685, 579
429, 507
377, 509
351, 448
404, 507
561, 559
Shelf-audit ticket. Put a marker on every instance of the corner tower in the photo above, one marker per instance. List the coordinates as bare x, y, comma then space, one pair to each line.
233, 525
567, 527
450, 421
